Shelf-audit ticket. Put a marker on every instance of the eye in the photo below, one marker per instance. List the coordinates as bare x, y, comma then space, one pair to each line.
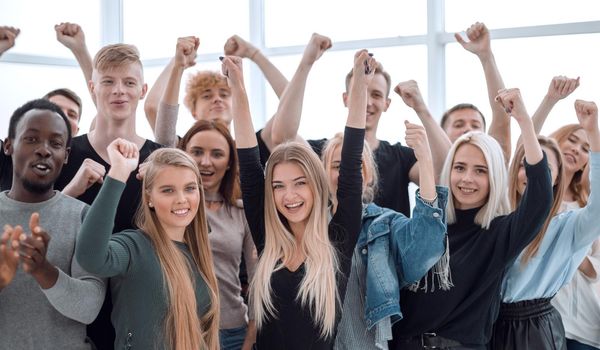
300, 183
205, 96
106, 82
335, 167
191, 188
56, 144
224, 94
459, 168
196, 153
480, 171
277, 186
131, 83
30, 139
218, 155
167, 190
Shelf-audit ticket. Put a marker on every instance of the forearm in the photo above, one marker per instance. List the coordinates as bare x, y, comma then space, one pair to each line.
542, 112
46, 275
426, 178
273, 75
250, 336
84, 59
166, 125
244, 130
155, 94
533, 151
357, 105
289, 112
77, 299
438, 141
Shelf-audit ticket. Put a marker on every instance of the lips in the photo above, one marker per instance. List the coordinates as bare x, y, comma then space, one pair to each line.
118, 102
570, 158
41, 168
466, 190
294, 207
181, 212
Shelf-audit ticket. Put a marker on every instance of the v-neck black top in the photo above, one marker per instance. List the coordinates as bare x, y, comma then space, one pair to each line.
294, 327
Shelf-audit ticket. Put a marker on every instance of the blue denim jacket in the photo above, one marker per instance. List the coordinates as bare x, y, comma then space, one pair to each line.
398, 251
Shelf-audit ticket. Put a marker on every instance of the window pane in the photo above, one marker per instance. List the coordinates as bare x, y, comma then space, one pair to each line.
292, 22
154, 27
460, 14
324, 113
528, 64
37, 24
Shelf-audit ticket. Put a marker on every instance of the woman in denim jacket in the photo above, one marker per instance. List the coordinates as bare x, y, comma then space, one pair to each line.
392, 251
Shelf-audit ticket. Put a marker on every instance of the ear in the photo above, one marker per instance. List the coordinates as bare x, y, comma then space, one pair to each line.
144, 91
388, 101
345, 99
67, 152
7, 148
91, 88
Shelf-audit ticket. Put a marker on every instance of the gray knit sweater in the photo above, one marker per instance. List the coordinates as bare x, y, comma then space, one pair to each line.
55, 318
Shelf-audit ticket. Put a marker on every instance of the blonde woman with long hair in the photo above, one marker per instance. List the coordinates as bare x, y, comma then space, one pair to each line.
304, 259
484, 239
164, 289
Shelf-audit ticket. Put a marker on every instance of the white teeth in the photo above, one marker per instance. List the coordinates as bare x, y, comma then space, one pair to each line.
467, 190
180, 211
206, 173
294, 205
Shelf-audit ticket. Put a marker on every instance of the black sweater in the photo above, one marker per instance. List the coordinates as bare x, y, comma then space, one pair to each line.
294, 327
478, 259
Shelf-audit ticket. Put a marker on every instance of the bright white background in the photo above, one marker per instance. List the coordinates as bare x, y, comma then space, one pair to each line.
533, 41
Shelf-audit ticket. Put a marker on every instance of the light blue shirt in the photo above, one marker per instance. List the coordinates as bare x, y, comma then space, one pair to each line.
565, 244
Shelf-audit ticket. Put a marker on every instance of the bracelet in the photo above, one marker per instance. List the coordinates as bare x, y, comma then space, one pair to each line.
429, 202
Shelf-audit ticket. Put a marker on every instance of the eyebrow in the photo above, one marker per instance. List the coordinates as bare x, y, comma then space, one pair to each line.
293, 180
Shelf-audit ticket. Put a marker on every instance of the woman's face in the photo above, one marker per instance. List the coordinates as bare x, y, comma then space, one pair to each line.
575, 151
469, 177
552, 164
210, 150
175, 197
292, 193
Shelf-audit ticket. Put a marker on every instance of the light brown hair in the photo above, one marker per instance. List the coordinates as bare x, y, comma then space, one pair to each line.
116, 55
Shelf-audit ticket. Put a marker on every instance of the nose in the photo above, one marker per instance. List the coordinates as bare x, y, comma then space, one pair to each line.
118, 88
466, 129
43, 150
205, 160
217, 99
181, 197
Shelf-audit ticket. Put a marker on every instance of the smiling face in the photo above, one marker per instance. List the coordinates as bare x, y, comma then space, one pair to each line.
575, 150
175, 196
377, 100
461, 122
38, 151
469, 179
118, 90
210, 150
292, 194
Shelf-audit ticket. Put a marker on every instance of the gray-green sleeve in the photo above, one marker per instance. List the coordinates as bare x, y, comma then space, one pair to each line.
96, 251
165, 130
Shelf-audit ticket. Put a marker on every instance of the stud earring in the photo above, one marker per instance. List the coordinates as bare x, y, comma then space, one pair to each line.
150, 205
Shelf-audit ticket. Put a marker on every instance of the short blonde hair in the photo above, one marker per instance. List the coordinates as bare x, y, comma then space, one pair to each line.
497, 203
116, 55
199, 82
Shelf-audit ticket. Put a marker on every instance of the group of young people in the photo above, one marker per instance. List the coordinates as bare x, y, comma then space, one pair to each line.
147, 242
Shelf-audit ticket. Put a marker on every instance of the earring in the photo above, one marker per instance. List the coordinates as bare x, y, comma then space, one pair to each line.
150, 205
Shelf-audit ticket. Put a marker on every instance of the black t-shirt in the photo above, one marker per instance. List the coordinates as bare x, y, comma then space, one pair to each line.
5, 169
101, 331
393, 164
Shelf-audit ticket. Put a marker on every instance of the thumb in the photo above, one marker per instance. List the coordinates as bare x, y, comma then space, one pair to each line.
459, 39
34, 222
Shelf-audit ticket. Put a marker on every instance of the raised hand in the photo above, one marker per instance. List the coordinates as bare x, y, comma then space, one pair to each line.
479, 39
186, 50
70, 35
89, 173
317, 45
416, 138
364, 67
411, 95
561, 87
8, 36
231, 67
512, 102
236, 46
587, 114
9, 255
124, 157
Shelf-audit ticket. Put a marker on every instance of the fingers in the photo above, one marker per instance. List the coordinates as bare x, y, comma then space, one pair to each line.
233, 65
142, 171
34, 223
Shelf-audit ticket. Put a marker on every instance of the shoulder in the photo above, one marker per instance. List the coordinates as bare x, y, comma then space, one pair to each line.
70, 202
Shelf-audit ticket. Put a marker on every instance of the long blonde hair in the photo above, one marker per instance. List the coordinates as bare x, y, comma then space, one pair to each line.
557, 191
318, 289
497, 202
183, 329
580, 184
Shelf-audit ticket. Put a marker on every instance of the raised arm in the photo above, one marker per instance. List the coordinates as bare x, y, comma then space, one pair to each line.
439, 143
236, 46
97, 251
154, 95
166, 119
72, 37
480, 45
242, 121
560, 87
511, 101
286, 120
416, 138
8, 35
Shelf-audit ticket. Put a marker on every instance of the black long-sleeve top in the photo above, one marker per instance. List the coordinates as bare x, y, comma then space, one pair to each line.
294, 327
478, 259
